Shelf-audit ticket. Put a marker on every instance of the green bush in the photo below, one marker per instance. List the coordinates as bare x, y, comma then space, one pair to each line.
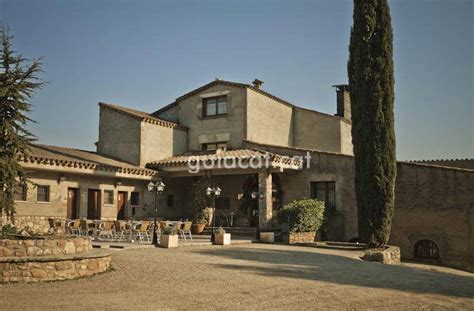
304, 215
201, 217
170, 230
8, 230
220, 230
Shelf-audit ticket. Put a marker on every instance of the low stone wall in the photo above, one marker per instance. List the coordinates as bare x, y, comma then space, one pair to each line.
49, 258
53, 245
299, 237
51, 268
390, 256
35, 224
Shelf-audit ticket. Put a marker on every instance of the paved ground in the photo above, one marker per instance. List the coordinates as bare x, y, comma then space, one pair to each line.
247, 277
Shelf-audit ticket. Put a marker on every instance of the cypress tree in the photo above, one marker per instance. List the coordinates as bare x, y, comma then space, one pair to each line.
18, 82
371, 81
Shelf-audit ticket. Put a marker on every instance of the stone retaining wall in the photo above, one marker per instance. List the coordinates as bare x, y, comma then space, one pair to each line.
300, 237
50, 258
35, 269
390, 256
43, 247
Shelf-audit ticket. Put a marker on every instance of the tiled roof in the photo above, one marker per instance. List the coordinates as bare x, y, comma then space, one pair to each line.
243, 154
242, 85
143, 116
68, 157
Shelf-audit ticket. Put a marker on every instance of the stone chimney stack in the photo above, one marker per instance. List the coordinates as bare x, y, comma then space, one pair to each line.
257, 83
343, 99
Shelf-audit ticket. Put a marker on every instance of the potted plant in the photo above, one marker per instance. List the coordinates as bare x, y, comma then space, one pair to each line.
169, 237
221, 238
200, 221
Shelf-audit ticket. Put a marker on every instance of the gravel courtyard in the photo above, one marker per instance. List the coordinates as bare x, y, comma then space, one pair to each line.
247, 277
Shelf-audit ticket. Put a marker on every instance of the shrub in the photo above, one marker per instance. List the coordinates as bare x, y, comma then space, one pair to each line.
169, 231
201, 199
8, 230
201, 217
220, 230
304, 215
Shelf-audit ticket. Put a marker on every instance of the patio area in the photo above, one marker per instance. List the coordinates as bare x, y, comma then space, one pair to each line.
248, 277
198, 240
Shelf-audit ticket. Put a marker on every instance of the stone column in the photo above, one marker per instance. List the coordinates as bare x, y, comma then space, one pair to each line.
265, 204
82, 204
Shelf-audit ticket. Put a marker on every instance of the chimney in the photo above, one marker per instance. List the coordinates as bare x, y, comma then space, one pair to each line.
343, 99
257, 83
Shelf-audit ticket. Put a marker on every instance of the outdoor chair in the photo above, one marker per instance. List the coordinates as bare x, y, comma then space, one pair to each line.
186, 229
75, 227
87, 227
164, 224
122, 231
142, 233
106, 230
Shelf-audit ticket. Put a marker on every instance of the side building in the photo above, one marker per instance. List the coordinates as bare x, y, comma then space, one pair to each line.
69, 183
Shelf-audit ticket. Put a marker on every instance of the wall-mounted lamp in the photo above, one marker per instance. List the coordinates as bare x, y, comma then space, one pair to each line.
61, 178
256, 195
118, 183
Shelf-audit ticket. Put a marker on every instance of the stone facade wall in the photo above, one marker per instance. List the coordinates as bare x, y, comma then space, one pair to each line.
119, 136
434, 203
268, 121
159, 142
171, 114
45, 247
314, 130
230, 126
35, 214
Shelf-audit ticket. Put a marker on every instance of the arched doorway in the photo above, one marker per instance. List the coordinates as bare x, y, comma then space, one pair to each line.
426, 249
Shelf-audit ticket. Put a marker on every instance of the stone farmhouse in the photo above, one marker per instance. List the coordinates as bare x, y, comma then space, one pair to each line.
220, 121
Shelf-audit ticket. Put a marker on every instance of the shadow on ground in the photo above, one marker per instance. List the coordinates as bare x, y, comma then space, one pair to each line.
305, 264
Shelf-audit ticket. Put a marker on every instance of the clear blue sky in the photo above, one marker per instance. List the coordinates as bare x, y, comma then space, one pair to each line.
143, 54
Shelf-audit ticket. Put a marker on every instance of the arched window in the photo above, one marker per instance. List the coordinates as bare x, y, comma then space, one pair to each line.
426, 249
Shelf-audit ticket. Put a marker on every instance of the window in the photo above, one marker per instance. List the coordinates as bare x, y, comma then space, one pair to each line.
325, 191
426, 249
21, 192
214, 106
222, 146
135, 199
108, 197
170, 200
42, 194
222, 203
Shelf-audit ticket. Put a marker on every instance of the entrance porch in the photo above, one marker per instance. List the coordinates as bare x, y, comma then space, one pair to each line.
250, 194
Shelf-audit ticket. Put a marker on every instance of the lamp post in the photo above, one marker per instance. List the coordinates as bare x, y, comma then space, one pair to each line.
213, 192
156, 188
257, 195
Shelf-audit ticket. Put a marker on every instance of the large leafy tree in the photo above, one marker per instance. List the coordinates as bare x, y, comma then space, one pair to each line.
371, 81
18, 82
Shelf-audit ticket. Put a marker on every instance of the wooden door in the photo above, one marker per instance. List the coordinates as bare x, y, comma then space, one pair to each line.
121, 199
93, 204
72, 203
